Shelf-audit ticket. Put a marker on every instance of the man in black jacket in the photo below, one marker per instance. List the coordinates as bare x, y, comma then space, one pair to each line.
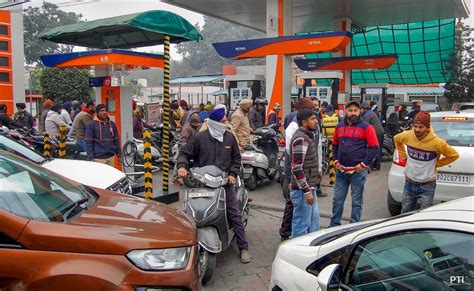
23, 117
217, 146
5, 120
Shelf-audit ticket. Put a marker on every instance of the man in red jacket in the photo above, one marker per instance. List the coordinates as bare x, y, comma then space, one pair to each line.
355, 146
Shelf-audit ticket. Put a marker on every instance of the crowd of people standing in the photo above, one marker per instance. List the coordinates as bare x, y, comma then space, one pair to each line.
210, 135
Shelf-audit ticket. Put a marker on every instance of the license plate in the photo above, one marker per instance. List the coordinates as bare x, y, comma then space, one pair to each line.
200, 195
453, 178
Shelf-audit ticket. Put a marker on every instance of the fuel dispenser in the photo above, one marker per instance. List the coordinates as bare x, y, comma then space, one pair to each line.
329, 94
243, 87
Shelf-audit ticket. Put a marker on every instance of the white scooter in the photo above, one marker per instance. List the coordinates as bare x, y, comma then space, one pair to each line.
260, 158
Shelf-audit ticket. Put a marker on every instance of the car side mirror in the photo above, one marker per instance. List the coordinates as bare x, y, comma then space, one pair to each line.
330, 277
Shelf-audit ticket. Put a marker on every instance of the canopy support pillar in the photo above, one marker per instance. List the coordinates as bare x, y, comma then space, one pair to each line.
344, 24
166, 114
278, 67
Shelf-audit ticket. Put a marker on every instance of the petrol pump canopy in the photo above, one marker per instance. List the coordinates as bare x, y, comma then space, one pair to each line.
117, 58
126, 31
319, 15
423, 48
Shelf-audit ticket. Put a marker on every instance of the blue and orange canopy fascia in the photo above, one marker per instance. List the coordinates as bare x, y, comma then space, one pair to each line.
286, 45
88, 59
348, 63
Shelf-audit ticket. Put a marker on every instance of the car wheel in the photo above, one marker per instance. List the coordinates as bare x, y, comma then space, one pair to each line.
393, 206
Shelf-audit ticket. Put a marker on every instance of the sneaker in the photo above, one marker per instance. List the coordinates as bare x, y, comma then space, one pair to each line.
245, 257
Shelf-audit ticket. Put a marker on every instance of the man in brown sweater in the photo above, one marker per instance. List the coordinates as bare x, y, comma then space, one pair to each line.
81, 122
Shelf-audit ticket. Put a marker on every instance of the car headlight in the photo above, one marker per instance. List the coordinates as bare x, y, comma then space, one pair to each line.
160, 259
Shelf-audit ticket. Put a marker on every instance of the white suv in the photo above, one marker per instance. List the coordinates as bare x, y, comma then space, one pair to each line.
85, 172
455, 180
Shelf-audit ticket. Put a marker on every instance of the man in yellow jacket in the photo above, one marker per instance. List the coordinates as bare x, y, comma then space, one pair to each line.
424, 153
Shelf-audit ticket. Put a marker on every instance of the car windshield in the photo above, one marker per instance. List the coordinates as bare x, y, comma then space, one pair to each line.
429, 107
424, 106
456, 133
32, 192
18, 149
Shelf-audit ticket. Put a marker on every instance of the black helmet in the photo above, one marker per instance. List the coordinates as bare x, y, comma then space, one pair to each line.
260, 101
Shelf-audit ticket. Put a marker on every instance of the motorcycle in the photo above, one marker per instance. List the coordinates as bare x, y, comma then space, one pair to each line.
206, 203
393, 127
260, 158
157, 147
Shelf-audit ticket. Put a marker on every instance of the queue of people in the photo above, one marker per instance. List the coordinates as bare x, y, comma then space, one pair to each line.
208, 138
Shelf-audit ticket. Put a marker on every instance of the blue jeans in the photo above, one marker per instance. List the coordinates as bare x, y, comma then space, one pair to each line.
341, 187
305, 217
414, 191
82, 144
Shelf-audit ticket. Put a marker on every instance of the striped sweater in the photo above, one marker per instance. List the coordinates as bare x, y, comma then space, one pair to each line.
304, 160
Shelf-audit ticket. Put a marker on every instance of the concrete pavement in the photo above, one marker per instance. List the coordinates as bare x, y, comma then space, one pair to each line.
264, 223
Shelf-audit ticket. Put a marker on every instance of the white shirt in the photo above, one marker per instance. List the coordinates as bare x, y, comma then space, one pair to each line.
66, 117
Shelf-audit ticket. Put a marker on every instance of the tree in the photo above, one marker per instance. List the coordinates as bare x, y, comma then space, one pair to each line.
37, 20
202, 58
137, 88
460, 86
62, 85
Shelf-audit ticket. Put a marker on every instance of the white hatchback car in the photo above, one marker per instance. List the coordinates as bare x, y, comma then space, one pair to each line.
427, 250
85, 172
455, 180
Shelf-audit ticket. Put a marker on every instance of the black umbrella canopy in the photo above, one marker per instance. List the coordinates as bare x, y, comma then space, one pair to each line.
126, 31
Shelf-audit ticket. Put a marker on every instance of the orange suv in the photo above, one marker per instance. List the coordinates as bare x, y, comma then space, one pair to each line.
58, 235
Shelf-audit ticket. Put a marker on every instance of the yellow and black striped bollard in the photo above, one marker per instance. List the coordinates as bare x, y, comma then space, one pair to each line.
62, 141
46, 146
147, 158
166, 114
332, 168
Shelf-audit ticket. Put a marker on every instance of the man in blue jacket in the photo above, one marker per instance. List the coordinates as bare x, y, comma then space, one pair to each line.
354, 146
102, 138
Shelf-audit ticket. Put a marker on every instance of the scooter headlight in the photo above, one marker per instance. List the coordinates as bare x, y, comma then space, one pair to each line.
213, 182
199, 177
160, 259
